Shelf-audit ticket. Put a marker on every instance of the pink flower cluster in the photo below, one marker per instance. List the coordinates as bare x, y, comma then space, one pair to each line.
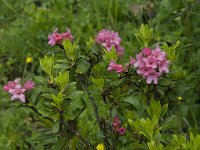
17, 91
117, 125
118, 67
57, 38
108, 39
151, 64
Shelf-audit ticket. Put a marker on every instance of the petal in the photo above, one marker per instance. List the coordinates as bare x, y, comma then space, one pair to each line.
149, 80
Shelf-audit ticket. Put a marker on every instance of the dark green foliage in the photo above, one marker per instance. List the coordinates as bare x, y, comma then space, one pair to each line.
165, 116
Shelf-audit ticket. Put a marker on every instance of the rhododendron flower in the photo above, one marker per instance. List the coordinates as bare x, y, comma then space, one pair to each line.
152, 77
140, 61
144, 71
67, 35
57, 38
121, 131
151, 64
163, 66
109, 39
117, 125
117, 67
116, 122
17, 91
131, 63
28, 85
54, 38
146, 51
11, 85
158, 54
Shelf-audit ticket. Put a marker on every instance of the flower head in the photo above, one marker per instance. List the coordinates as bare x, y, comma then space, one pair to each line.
109, 39
146, 51
67, 35
131, 63
28, 59
117, 67
28, 85
9, 85
117, 126
100, 147
151, 64
121, 131
16, 90
116, 122
57, 38
18, 93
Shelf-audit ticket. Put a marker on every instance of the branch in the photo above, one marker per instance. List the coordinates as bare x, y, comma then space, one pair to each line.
37, 112
76, 133
93, 62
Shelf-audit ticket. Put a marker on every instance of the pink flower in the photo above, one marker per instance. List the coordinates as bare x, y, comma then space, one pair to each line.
117, 125
164, 66
121, 131
146, 51
131, 63
117, 67
28, 85
116, 122
18, 93
9, 85
57, 38
158, 54
144, 71
140, 61
54, 38
153, 77
149, 62
67, 35
109, 39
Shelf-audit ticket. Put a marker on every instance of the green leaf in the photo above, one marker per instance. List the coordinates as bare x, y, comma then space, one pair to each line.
47, 65
110, 55
70, 49
55, 127
98, 82
134, 101
82, 67
153, 146
163, 110
58, 100
170, 123
144, 35
193, 144
90, 43
154, 109
62, 79
147, 127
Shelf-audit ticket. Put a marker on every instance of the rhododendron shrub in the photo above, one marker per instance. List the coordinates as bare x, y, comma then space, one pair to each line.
100, 99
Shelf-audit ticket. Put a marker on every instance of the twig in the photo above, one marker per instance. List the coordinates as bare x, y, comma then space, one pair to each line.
38, 113
95, 108
76, 133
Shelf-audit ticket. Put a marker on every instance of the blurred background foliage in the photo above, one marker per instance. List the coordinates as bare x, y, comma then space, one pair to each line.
25, 25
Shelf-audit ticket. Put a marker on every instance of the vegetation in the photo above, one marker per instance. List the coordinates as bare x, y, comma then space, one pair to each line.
86, 88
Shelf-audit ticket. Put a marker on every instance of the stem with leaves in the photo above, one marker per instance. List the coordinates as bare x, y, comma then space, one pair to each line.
93, 62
